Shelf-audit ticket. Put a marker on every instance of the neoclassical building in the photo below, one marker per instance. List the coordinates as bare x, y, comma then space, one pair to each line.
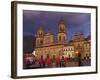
78, 45
47, 43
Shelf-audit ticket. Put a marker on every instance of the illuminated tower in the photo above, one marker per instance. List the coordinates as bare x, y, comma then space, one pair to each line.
76, 37
61, 37
39, 36
81, 36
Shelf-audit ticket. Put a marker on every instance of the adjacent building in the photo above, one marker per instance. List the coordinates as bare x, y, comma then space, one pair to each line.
68, 51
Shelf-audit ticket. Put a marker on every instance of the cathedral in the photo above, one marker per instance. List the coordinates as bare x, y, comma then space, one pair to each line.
47, 43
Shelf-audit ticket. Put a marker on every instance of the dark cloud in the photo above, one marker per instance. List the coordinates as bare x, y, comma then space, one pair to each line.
74, 22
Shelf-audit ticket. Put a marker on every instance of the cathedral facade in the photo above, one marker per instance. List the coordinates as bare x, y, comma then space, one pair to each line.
47, 43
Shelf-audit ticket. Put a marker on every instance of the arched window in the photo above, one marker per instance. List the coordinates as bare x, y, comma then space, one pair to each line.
41, 42
59, 38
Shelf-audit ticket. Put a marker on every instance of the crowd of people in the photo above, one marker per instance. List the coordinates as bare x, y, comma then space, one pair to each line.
55, 61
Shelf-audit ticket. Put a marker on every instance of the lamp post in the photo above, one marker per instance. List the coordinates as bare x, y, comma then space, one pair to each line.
79, 59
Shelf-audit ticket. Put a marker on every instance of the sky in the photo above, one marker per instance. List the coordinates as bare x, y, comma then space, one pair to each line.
74, 22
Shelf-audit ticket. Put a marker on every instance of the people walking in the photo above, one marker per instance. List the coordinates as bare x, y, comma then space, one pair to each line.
47, 61
42, 63
62, 62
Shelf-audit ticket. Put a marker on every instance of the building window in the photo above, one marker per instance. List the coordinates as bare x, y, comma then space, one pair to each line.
41, 42
59, 38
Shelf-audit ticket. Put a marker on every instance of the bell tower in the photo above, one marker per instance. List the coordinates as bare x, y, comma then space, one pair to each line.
39, 36
61, 26
81, 36
61, 37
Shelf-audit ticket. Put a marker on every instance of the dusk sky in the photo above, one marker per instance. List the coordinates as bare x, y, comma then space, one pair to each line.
74, 22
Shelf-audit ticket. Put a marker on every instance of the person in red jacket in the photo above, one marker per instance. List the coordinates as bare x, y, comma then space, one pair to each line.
37, 60
57, 60
66, 59
47, 61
